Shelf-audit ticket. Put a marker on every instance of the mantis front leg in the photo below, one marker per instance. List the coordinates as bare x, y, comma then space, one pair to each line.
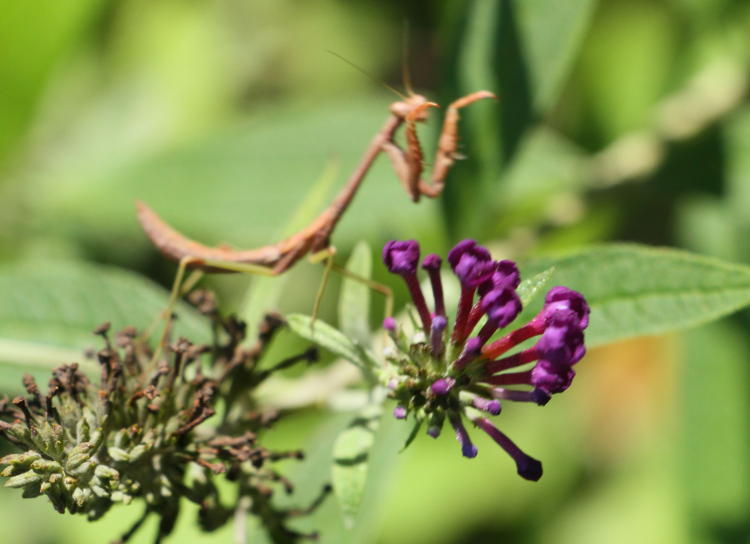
181, 286
408, 164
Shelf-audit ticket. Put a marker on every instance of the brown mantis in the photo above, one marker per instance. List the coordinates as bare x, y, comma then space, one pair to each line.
314, 239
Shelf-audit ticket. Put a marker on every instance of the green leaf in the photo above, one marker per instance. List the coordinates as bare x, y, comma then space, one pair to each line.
523, 50
737, 199
635, 290
412, 435
332, 339
49, 310
737, 134
354, 300
531, 287
351, 457
550, 33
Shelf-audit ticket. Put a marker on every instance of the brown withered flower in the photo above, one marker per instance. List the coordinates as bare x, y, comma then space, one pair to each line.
141, 433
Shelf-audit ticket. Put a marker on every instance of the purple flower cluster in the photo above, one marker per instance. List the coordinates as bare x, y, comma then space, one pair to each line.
465, 372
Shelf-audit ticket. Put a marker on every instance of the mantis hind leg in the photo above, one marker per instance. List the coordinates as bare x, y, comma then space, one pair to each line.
182, 285
325, 256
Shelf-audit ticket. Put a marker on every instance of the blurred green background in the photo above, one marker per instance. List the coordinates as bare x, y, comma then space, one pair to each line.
618, 120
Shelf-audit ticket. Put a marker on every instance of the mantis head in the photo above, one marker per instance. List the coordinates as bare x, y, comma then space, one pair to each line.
412, 108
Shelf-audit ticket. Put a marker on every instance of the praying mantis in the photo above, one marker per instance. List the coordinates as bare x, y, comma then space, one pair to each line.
275, 259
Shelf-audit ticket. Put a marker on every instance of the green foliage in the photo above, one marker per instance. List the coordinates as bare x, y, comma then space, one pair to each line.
532, 287
351, 456
635, 290
354, 300
49, 310
334, 340
616, 121
60, 303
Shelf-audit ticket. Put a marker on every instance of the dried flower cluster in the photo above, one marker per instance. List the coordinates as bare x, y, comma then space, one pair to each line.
441, 374
140, 433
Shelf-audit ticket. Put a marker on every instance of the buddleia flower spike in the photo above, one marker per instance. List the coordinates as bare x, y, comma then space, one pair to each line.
464, 372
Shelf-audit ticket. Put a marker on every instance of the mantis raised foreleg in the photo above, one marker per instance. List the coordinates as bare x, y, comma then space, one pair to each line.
314, 240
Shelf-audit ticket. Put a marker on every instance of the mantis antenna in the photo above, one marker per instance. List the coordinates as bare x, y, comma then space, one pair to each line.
368, 74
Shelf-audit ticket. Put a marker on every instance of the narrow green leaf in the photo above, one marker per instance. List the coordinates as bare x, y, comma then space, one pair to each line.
737, 192
635, 290
354, 300
333, 340
737, 135
550, 33
523, 50
351, 457
315, 470
265, 293
412, 435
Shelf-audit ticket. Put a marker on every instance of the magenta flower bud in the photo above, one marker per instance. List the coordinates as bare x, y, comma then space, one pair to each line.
529, 468
501, 305
432, 262
401, 256
399, 412
471, 263
442, 386
562, 298
491, 406
468, 449
540, 397
389, 324
433, 431
439, 322
537, 396
551, 378
505, 274
435, 425
471, 351
562, 340
436, 335
526, 466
